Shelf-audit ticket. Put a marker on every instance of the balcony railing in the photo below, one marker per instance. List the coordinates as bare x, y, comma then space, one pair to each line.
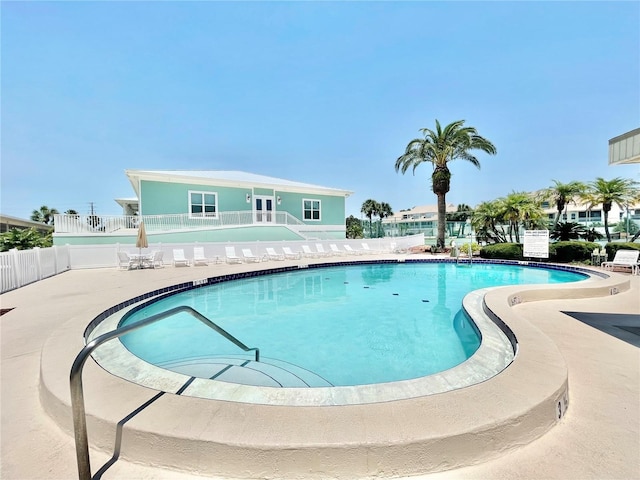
110, 224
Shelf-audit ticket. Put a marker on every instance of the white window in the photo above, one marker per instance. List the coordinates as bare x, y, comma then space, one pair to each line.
203, 204
311, 209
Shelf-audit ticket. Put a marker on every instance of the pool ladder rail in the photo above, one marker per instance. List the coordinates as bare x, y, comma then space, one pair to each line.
470, 262
75, 377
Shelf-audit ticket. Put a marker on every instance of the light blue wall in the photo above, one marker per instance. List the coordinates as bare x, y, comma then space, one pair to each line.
162, 198
159, 198
331, 213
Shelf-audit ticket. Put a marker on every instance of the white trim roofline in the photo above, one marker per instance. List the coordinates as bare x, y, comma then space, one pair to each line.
230, 178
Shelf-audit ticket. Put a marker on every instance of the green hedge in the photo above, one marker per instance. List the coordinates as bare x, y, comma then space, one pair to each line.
613, 247
559, 252
571, 251
504, 251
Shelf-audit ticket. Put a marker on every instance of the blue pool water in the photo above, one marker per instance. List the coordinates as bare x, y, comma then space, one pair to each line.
351, 325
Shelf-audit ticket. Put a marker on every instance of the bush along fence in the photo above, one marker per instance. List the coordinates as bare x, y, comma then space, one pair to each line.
21, 267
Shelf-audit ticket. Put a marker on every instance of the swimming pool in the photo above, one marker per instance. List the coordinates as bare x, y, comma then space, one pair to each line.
336, 326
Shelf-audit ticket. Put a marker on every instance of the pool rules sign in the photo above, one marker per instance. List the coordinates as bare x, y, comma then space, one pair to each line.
536, 244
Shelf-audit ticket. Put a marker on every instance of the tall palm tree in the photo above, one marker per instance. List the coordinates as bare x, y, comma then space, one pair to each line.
439, 147
384, 211
369, 209
561, 194
44, 215
621, 191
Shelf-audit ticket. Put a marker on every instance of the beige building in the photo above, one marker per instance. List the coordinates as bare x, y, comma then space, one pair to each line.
625, 148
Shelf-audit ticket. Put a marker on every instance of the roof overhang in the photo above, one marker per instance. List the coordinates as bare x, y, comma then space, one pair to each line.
228, 179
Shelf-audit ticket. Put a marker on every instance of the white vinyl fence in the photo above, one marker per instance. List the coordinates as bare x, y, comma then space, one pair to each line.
21, 267
102, 256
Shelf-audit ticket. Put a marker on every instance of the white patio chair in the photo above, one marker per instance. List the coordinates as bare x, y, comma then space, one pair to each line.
273, 255
179, 258
198, 256
156, 259
230, 255
321, 251
290, 254
125, 261
624, 259
307, 252
248, 256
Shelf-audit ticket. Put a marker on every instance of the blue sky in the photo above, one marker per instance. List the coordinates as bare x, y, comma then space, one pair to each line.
328, 93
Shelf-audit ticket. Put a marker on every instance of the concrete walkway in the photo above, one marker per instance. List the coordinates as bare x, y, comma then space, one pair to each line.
598, 438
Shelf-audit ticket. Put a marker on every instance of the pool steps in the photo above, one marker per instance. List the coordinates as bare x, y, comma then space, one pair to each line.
268, 372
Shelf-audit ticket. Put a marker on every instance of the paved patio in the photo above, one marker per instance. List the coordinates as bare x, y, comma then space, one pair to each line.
599, 437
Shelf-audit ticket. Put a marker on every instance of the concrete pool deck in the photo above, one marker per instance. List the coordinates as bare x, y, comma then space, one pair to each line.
597, 438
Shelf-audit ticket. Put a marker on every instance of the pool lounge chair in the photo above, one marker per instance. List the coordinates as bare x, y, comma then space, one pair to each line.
321, 251
366, 249
333, 248
179, 258
273, 255
248, 256
351, 251
198, 256
307, 252
291, 255
624, 259
230, 255
125, 261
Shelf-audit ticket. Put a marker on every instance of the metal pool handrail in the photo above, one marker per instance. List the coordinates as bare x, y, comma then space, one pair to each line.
75, 382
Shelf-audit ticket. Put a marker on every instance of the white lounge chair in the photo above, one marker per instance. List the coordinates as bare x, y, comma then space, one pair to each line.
230, 255
624, 259
351, 251
198, 256
366, 249
249, 256
125, 261
321, 251
291, 255
307, 252
273, 255
179, 258
333, 248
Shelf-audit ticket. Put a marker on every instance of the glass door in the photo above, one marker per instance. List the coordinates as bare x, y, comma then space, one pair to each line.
263, 209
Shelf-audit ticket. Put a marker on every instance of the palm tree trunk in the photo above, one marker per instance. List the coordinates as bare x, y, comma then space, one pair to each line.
442, 213
605, 210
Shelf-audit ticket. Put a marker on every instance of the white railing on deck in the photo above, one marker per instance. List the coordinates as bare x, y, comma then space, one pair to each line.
21, 267
167, 223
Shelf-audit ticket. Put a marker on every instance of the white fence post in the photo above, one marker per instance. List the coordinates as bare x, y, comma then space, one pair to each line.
14, 267
38, 263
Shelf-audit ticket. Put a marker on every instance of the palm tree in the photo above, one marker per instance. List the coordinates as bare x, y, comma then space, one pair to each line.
44, 215
564, 231
561, 194
520, 208
439, 147
370, 208
384, 211
621, 191
486, 221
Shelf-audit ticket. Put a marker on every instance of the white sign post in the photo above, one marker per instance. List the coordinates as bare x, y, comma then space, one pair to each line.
536, 244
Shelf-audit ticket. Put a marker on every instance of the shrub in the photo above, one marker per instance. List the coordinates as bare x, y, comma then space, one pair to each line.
505, 251
613, 247
565, 252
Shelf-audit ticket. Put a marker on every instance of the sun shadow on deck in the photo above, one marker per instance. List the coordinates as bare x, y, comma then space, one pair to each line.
623, 326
